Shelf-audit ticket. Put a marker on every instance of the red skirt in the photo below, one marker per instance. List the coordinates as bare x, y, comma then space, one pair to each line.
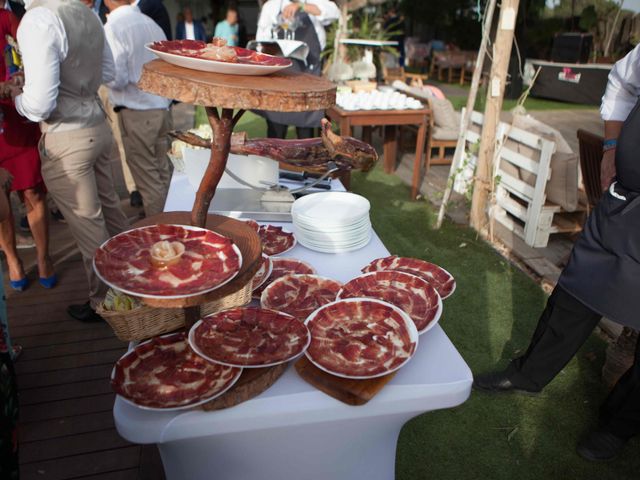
19, 149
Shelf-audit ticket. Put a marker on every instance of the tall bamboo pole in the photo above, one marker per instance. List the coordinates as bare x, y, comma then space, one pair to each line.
607, 47
495, 95
471, 101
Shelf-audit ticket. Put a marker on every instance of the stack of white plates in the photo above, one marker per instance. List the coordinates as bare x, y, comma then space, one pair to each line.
332, 222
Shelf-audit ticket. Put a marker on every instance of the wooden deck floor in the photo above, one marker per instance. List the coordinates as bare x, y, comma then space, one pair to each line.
66, 419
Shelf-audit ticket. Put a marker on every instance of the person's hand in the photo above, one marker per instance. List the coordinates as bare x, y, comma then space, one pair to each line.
607, 168
15, 91
290, 10
17, 80
5, 179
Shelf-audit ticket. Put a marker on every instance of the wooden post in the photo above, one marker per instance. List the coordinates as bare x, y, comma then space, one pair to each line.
607, 47
471, 101
495, 95
222, 126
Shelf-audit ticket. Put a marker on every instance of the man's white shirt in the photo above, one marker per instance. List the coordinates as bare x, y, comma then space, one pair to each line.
329, 12
44, 46
623, 88
189, 31
127, 31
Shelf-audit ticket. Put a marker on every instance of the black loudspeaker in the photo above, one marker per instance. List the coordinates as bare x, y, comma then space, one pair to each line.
571, 47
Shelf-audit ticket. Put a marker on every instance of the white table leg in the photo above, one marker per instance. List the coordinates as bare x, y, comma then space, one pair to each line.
340, 450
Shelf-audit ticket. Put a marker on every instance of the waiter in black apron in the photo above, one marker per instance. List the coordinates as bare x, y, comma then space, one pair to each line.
601, 279
305, 122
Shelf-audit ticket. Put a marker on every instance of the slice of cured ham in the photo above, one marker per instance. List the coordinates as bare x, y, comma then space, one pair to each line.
275, 240
282, 266
437, 276
412, 294
146, 261
249, 337
361, 338
263, 273
299, 295
165, 373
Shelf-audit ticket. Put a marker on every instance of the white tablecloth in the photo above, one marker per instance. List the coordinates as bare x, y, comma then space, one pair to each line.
292, 430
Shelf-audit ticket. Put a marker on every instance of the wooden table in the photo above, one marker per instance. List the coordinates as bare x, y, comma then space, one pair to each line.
390, 119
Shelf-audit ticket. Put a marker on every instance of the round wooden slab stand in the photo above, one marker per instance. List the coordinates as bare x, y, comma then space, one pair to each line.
283, 92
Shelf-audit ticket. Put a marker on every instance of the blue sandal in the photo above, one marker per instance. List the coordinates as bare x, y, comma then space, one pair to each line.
48, 282
19, 285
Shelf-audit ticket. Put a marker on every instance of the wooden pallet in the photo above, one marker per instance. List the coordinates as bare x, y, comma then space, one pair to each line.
515, 215
522, 206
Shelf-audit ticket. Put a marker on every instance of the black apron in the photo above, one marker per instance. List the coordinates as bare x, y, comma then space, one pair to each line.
604, 268
304, 33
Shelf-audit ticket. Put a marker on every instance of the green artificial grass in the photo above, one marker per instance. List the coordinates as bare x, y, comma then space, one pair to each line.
531, 103
254, 125
490, 319
459, 100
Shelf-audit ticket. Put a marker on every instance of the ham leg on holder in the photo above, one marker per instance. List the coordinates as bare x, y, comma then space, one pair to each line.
313, 153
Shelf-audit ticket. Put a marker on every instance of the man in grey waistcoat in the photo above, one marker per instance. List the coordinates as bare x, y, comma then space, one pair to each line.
65, 59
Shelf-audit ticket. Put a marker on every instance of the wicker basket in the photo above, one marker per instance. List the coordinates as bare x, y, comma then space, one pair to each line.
146, 322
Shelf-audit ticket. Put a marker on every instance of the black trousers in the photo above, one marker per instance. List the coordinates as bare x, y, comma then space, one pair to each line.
563, 327
277, 130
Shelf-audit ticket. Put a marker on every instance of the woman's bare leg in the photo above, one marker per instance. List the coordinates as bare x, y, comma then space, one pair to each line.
35, 201
8, 244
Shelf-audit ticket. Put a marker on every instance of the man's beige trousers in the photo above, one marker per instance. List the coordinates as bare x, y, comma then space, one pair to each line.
77, 171
146, 143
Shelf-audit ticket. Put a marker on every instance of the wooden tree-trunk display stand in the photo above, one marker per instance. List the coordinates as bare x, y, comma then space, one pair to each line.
283, 92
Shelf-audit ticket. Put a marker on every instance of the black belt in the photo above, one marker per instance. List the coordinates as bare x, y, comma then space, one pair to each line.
118, 108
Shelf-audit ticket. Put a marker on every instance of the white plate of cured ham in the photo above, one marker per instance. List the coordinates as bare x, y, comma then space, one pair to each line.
299, 295
412, 294
437, 276
249, 337
282, 266
217, 58
165, 374
361, 338
167, 261
275, 240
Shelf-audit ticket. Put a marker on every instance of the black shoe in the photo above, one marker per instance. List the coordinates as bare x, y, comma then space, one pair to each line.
135, 199
498, 382
57, 216
84, 313
600, 446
